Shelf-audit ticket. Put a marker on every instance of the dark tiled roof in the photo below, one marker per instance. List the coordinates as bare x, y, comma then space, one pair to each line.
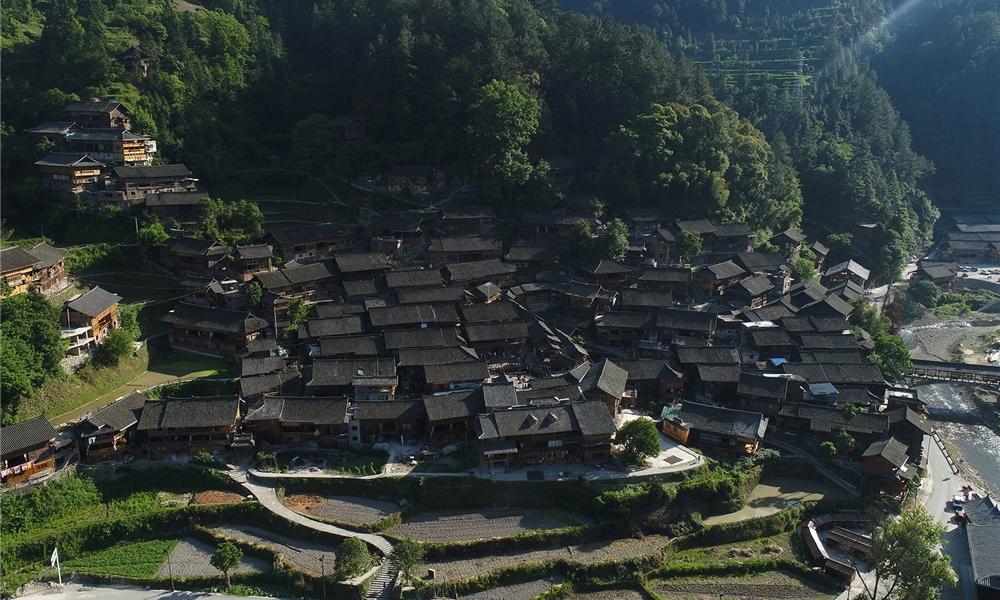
624, 320
488, 313
648, 369
120, 415
463, 244
679, 275
413, 279
732, 230
686, 320
94, 302
421, 338
308, 233
794, 234
103, 134
834, 341
361, 263
17, 438
174, 198
53, 127
352, 345
849, 266
393, 410
100, 106
912, 417
261, 366
449, 294
859, 374
319, 328
179, 413
606, 377
460, 372
827, 419
47, 255
153, 172
724, 270
719, 373
360, 288
347, 371
725, 421
419, 357
214, 319
700, 226
552, 217
770, 337
830, 324
708, 356
835, 357
890, 449
255, 251
463, 404
68, 159
332, 311
982, 532
262, 384
606, 267
762, 386
529, 253
499, 395
188, 246
295, 409
646, 299
480, 269
16, 258
491, 332
586, 418
756, 286
757, 262
413, 314
467, 212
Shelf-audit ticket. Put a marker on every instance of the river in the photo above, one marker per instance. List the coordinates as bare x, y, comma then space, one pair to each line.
979, 445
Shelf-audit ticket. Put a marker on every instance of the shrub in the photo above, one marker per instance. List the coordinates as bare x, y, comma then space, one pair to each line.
640, 440
115, 346
353, 558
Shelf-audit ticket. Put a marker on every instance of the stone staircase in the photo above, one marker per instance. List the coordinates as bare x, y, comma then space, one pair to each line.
384, 584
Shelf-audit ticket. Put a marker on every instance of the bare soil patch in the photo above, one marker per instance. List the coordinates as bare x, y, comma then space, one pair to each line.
615, 594
190, 558
774, 584
585, 554
528, 589
347, 510
485, 524
307, 555
217, 497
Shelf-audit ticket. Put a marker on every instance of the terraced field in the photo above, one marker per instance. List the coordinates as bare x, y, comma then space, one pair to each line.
190, 558
585, 554
612, 594
352, 511
528, 589
479, 525
761, 585
305, 554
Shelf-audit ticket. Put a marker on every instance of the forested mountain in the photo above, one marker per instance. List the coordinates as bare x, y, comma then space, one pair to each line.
493, 90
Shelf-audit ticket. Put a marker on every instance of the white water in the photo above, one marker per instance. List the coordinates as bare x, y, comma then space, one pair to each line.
979, 445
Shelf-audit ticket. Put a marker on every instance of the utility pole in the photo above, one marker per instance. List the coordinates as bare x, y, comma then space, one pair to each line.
170, 571
322, 569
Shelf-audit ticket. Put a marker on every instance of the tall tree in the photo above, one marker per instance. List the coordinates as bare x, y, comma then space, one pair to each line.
502, 122
905, 559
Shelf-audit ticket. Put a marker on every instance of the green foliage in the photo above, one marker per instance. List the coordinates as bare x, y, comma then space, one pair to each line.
255, 294
132, 560
891, 356
116, 345
718, 490
153, 233
227, 557
63, 496
905, 558
298, 312
703, 160
406, 555
615, 240
502, 122
748, 529
93, 257
925, 292
31, 348
205, 459
828, 448
804, 269
353, 558
688, 245
231, 223
640, 440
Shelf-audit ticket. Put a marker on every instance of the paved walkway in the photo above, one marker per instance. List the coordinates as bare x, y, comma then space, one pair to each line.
76, 591
268, 498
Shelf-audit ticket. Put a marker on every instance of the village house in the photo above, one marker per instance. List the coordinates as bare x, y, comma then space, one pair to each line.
432, 337
732, 238
133, 183
451, 415
609, 274
550, 227
507, 339
396, 421
714, 280
471, 274
183, 207
461, 249
68, 174
212, 331
88, 318
53, 131
299, 421
560, 433
463, 375
188, 424
727, 430
107, 433
26, 451
98, 113
17, 269
653, 379
306, 243
251, 260
643, 221
531, 259
753, 292
363, 379
406, 279
941, 274
468, 220
414, 179
676, 280
789, 242
112, 146
982, 532
366, 266
846, 271
413, 315
885, 468
193, 257
42, 267
312, 281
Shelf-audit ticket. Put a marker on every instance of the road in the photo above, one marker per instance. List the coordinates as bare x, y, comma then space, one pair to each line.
944, 487
75, 591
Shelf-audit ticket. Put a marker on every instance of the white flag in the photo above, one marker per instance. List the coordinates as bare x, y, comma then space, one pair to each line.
55, 557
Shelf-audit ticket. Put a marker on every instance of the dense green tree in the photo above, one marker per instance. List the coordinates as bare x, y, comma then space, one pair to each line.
502, 122
255, 294
905, 559
639, 440
891, 356
116, 345
231, 223
804, 269
227, 557
30, 347
406, 555
615, 240
844, 442
925, 292
688, 245
702, 160
153, 233
353, 558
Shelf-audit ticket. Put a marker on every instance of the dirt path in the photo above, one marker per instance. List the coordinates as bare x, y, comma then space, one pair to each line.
586, 554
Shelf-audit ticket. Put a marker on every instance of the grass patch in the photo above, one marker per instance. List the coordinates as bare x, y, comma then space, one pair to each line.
59, 396
353, 462
137, 559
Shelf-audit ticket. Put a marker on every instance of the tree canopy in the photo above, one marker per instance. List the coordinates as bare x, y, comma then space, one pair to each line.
31, 350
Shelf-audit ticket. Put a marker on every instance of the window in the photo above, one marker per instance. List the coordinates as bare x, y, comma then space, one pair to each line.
555, 443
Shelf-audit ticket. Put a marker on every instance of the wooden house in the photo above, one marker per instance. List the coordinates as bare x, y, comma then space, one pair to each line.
183, 207
26, 450
188, 424
299, 421
88, 318
470, 274
461, 249
135, 182
107, 433
848, 270
884, 468
193, 256
550, 227
254, 259
98, 113
306, 243
737, 432
213, 331
714, 280
468, 220
396, 421
363, 379
67, 174
451, 415
112, 146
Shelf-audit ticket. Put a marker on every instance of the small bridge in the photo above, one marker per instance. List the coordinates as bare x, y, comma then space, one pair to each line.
957, 372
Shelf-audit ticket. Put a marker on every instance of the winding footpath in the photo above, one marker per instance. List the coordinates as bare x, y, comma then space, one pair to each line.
268, 498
